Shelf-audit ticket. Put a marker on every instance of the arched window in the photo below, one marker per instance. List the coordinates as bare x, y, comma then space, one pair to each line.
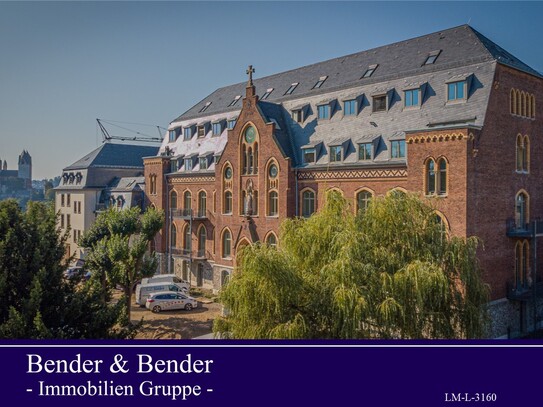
173, 200
533, 106
308, 203
227, 202
250, 159
225, 277
187, 201
526, 154
521, 211
273, 203
519, 103
363, 199
520, 153
522, 265
187, 243
226, 244
513, 102
202, 204
255, 158
271, 240
244, 158
173, 236
442, 176
202, 237
430, 177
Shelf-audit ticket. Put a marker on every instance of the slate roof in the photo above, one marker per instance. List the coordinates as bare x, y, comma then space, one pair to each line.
463, 54
111, 155
126, 184
459, 46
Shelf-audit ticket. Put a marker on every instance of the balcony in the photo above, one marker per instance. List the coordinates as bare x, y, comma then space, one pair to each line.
523, 293
100, 207
176, 251
534, 228
202, 254
189, 214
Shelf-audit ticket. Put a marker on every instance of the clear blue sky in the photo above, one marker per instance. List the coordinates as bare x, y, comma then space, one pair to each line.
62, 65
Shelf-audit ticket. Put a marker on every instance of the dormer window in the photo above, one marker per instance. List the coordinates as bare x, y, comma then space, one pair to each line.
369, 72
203, 109
397, 149
230, 124
350, 107
187, 133
310, 155
456, 91
216, 129
412, 97
364, 151
234, 101
298, 115
335, 154
267, 94
320, 82
188, 164
203, 163
323, 111
431, 58
291, 88
174, 134
201, 131
380, 103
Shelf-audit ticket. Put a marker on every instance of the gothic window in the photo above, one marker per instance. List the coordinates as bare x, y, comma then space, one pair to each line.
523, 153
436, 176
271, 240
187, 239
226, 244
202, 237
522, 265
363, 199
430, 177
442, 176
308, 203
249, 151
173, 236
202, 204
187, 201
173, 200
228, 202
521, 210
273, 203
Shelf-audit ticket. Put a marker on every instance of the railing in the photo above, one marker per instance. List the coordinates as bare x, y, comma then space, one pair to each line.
523, 292
189, 213
523, 230
100, 207
180, 252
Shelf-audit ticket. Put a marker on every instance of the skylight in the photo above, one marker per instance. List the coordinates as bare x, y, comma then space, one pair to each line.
203, 109
320, 82
432, 56
291, 89
233, 102
369, 72
268, 93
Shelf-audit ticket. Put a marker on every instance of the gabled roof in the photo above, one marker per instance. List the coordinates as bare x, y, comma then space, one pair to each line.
110, 155
459, 46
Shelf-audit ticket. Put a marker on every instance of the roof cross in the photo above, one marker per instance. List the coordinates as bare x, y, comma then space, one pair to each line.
250, 72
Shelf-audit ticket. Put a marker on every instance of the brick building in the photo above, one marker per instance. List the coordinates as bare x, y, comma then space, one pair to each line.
449, 115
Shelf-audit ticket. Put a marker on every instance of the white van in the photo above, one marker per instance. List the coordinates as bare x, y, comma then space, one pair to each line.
165, 278
143, 290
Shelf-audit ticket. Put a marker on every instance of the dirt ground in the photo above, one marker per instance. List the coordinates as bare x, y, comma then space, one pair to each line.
176, 324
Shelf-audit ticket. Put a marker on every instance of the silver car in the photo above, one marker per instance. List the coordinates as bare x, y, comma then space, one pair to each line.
167, 300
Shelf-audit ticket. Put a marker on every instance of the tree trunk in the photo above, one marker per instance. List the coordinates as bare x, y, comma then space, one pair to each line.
128, 299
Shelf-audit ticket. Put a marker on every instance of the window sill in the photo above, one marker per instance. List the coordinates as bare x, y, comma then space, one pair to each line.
455, 102
522, 172
435, 195
408, 108
272, 216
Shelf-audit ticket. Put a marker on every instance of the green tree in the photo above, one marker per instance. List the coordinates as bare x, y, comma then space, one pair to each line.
37, 302
390, 272
117, 248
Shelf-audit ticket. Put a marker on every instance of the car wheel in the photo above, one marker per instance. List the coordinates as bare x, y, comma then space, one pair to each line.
157, 308
188, 307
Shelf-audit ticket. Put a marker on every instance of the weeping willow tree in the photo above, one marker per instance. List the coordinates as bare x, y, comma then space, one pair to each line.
389, 272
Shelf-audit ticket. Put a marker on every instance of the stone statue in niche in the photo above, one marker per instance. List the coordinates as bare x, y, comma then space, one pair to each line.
248, 204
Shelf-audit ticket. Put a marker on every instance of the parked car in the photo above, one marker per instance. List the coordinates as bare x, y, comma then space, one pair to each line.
165, 278
72, 272
144, 290
167, 300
